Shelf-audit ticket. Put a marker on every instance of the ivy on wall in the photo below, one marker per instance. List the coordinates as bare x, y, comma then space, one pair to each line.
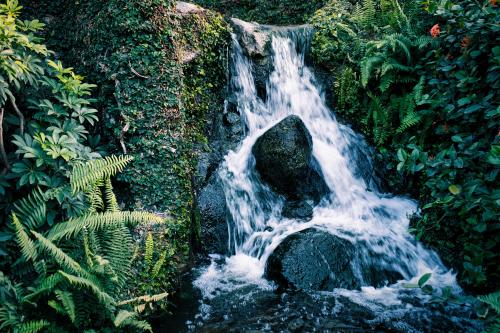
281, 12
159, 76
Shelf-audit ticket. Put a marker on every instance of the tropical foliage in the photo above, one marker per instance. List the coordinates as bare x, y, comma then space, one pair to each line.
65, 246
422, 82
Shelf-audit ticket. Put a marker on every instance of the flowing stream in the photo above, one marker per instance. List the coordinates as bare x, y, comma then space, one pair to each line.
355, 210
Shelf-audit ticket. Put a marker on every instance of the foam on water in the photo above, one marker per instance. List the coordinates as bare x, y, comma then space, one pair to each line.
355, 210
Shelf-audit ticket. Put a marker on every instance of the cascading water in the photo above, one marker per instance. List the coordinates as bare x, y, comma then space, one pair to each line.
355, 210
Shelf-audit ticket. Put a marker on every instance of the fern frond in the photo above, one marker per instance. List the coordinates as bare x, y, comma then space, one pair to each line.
144, 298
418, 90
26, 244
122, 316
367, 66
148, 253
111, 203
64, 260
138, 324
117, 250
386, 81
86, 248
85, 175
159, 264
94, 197
408, 121
34, 326
403, 43
81, 282
66, 299
99, 221
45, 286
32, 210
492, 300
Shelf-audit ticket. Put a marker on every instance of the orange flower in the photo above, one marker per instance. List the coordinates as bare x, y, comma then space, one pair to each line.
465, 42
493, 3
435, 30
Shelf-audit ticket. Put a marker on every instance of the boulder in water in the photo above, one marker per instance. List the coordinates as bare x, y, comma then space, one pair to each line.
214, 214
284, 160
302, 210
317, 260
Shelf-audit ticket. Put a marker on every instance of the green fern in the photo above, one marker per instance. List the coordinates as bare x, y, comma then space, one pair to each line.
46, 286
26, 244
64, 260
492, 300
87, 174
379, 116
407, 104
410, 120
367, 66
117, 250
127, 318
347, 90
81, 282
111, 203
68, 304
99, 221
159, 264
34, 326
148, 253
32, 210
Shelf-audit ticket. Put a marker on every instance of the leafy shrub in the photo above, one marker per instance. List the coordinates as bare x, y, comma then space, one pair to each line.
428, 98
65, 247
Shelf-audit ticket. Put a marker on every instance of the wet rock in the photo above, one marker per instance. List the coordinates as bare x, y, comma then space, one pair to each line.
184, 8
224, 131
316, 260
253, 37
296, 324
213, 216
301, 210
284, 160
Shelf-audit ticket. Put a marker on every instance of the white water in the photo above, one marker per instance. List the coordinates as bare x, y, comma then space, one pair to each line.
375, 222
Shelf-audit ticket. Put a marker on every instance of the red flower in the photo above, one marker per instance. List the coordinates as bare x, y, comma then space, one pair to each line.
435, 30
465, 42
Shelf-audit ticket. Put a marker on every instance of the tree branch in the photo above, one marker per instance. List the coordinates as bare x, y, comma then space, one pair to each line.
19, 114
3, 153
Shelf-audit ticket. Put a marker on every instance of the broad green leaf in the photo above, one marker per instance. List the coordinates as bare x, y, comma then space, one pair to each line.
423, 279
455, 189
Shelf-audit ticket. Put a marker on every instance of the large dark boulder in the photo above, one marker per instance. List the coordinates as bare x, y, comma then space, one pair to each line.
214, 215
317, 260
283, 159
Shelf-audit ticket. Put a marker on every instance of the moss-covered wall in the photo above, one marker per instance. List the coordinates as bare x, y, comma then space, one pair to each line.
160, 75
281, 12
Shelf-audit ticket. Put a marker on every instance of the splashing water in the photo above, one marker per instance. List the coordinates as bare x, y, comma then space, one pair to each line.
355, 210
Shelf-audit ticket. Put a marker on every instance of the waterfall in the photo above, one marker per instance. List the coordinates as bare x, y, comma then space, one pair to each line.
355, 210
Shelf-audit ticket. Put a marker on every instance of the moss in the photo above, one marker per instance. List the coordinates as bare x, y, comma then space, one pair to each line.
280, 12
153, 105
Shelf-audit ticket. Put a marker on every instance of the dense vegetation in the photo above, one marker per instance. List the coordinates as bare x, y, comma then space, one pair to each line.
265, 11
153, 102
66, 248
421, 82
